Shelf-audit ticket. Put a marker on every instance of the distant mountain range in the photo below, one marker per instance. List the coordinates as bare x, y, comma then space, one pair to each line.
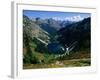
79, 31
66, 32
50, 25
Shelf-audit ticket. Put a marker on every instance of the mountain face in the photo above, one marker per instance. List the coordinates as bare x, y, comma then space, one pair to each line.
50, 25
32, 29
79, 31
65, 23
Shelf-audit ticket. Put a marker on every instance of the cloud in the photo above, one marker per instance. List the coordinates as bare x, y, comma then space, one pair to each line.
72, 18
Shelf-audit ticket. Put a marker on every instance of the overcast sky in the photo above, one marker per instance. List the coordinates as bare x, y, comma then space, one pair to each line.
71, 16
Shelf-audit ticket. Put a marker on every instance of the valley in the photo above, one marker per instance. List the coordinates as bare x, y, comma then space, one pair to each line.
49, 43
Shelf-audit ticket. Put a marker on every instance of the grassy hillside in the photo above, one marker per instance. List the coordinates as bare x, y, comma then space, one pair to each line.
61, 64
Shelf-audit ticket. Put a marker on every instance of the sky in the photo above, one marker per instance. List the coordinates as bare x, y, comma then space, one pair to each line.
71, 16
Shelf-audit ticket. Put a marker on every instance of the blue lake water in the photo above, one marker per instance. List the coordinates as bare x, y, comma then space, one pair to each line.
56, 48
